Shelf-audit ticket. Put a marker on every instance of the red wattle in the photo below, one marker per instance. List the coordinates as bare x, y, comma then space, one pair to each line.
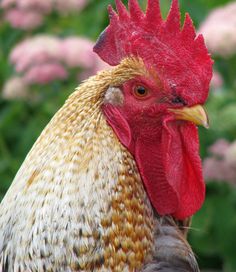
170, 167
148, 156
168, 162
183, 167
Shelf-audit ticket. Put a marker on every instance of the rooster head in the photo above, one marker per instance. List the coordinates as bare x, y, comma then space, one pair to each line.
155, 114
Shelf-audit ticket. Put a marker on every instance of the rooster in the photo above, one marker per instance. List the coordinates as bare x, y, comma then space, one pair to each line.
113, 179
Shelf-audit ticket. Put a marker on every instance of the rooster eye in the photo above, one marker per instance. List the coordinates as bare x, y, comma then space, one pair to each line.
140, 91
178, 100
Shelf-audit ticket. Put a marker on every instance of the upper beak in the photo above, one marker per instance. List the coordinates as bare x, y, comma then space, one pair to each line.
195, 114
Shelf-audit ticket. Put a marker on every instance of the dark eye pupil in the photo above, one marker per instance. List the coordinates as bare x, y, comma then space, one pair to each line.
178, 100
141, 90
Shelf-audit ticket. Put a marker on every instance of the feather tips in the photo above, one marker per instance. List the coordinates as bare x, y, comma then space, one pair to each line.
188, 32
153, 12
135, 12
112, 14
122, 11
173, 19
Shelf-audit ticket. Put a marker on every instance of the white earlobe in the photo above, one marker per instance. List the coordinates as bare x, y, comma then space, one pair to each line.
114, 96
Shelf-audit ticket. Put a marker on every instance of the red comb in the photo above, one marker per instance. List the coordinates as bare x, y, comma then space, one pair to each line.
119, 38
160, 43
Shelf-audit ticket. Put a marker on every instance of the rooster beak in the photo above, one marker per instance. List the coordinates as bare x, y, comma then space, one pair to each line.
195, 114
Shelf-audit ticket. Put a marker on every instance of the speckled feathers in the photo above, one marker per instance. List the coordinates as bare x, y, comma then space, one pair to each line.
77, 202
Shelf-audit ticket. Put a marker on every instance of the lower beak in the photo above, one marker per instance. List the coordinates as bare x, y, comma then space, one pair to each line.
195, 114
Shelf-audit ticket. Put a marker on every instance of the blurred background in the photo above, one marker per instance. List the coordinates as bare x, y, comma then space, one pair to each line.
45, 52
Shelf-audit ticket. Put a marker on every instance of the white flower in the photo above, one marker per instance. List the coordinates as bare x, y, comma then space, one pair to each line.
219, 30
15, 88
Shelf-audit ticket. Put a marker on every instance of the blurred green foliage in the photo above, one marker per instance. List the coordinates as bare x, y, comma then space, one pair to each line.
213, 234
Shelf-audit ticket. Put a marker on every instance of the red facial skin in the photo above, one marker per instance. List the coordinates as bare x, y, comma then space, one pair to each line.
165, 149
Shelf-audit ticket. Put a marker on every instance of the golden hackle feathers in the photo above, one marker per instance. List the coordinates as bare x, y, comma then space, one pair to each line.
71, 186
78, 203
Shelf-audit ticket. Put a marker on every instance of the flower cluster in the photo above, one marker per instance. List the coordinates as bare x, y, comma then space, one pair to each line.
219, 30
221, 166
29, 14
15, 88
216, 81
43, 58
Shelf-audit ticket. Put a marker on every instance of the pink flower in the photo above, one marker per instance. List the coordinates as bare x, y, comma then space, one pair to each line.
7, 3
221, 166
217, 80
230, 155
29, 14
219, 30
99, 65
23, 19
44, 73
15, 88
218, 170
70, 5
76, 51
40, 5
220, 147
36, 50
72, 52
